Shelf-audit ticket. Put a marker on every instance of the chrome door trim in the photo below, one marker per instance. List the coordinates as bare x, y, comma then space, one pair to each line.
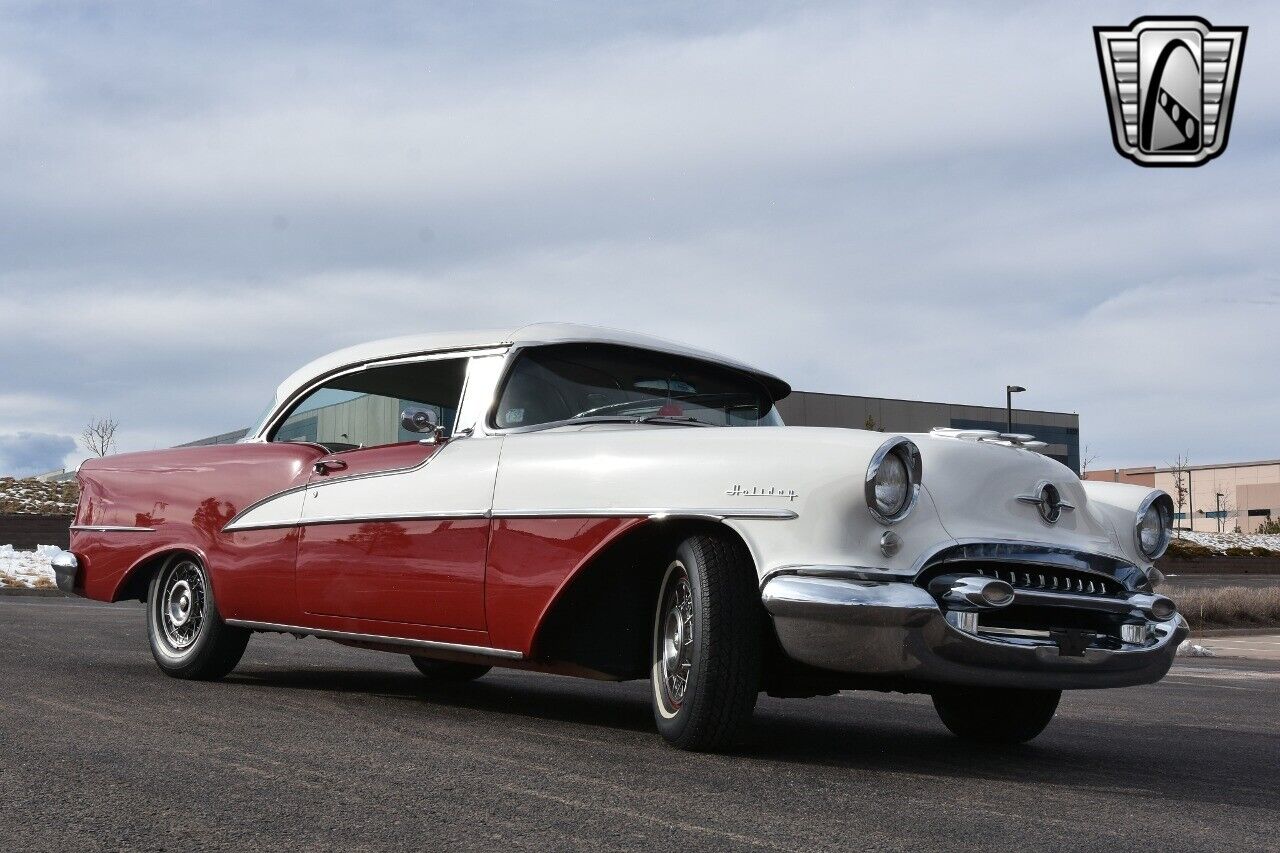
359, 519
445, 515
234, 525
112, 528
651, 513
325, 633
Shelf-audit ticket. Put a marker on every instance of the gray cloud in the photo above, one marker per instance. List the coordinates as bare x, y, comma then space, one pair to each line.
27, 453
920, 204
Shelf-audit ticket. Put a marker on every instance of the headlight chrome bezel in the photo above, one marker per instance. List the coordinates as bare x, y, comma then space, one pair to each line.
909, 454
1163, 504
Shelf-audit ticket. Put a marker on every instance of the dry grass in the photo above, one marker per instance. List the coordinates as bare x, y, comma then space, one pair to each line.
1229, 607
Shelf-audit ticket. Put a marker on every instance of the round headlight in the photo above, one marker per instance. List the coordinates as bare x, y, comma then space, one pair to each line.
1154, 525
891, 484
893, 480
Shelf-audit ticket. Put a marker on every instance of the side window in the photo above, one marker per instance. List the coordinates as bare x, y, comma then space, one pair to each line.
362, 409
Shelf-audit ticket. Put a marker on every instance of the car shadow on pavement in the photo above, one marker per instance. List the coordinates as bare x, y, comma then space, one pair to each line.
1179, 762
552, 698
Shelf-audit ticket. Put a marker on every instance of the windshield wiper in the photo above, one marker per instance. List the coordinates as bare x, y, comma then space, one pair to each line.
671, 419
678, 420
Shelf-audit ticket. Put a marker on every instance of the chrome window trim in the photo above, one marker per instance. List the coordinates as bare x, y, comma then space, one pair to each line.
112, 528
279, 412
915, 470
325, 633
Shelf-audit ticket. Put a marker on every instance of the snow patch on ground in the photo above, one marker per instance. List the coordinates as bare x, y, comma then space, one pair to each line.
1220, 542
29, 569
1189, 649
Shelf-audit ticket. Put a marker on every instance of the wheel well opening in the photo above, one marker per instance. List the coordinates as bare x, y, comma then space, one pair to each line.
138, 581
603, 619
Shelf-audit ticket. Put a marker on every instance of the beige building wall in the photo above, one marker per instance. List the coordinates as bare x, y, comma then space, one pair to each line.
1250, 493
368, 420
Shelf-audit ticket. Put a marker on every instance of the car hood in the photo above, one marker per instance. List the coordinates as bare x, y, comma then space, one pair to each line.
976, 488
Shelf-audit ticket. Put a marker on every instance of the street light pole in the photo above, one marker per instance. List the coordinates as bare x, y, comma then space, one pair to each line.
1009, 391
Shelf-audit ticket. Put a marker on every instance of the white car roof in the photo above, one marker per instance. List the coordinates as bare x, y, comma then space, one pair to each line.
534, 333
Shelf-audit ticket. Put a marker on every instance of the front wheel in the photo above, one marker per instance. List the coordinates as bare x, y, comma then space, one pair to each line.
705, 666
996, 715
188, 637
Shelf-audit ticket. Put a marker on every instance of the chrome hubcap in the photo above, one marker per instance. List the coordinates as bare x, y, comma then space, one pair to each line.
674, 638
180, 603
180, 607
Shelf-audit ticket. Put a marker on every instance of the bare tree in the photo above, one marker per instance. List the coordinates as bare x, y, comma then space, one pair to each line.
1227, 510
99, 435
1087, 458
870, 425
1181, 485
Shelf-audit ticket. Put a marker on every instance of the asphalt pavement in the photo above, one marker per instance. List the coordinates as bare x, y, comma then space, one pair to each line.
314, 746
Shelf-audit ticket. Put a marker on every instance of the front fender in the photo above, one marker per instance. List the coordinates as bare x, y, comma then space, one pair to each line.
1120, 503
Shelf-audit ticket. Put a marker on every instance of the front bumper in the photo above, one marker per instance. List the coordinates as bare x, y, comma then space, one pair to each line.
897, 629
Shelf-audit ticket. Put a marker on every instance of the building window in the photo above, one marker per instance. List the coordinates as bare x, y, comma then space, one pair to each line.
1259, 512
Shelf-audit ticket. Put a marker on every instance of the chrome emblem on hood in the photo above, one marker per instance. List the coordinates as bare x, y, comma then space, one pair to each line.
1048, 500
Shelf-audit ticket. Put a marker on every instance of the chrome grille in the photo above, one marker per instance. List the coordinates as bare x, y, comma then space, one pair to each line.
1050, 579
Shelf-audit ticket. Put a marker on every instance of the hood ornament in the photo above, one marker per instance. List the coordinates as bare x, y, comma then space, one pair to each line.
1048, 500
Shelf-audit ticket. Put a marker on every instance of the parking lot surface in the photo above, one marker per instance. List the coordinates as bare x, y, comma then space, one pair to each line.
310, 745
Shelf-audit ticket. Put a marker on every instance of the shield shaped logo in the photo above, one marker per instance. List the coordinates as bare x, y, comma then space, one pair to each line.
1170, 86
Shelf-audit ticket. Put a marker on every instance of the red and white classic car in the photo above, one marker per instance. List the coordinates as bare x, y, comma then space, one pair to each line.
580, 501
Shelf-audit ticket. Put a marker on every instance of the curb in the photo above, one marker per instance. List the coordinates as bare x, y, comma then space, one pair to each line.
1234, 632
42, 593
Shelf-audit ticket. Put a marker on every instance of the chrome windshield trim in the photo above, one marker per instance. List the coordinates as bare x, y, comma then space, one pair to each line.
514, 352
325, 633
112, 528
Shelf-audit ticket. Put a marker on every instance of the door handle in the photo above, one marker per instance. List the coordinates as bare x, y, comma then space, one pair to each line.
324, 466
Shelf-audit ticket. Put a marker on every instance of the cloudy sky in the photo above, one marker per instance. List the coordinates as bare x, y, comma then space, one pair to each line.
894, 200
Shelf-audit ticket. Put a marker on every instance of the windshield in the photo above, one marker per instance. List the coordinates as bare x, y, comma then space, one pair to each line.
568, 382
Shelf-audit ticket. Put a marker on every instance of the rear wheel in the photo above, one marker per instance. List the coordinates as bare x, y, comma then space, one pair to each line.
705, 665
187, 635
447, 670
996, 715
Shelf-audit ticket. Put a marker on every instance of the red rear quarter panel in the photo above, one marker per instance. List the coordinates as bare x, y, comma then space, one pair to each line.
186, 496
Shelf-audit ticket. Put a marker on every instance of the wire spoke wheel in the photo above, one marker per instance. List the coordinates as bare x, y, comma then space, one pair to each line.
673, 639
185, 630
181, 607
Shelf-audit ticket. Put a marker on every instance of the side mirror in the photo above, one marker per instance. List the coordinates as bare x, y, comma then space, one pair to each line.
424, 422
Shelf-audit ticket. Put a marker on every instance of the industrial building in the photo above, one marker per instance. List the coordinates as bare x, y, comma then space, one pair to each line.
1215, 498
